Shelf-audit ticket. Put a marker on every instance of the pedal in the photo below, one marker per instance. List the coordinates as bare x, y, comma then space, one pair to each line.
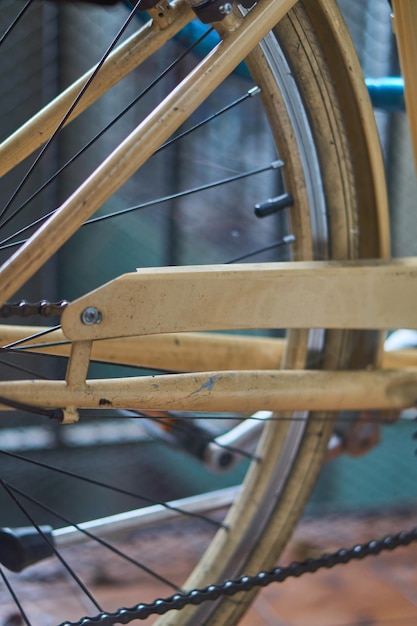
24, 546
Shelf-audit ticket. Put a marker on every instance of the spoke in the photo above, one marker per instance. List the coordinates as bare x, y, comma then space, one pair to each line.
15, 21
19, 368
11, 349
158, 201
69, 112
179, 425
99, 540
52, 414
252, 92
188, 192
287, 240
113, 488
15, 598
5, 243
93, 141
31, 349
69, 569
302, 416
35, 350
25, 339
136, 147
15, 244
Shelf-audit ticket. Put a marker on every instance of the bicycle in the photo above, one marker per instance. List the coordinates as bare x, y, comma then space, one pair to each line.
331, 138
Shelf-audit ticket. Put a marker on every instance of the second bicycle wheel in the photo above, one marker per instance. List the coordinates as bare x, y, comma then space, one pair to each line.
321, 126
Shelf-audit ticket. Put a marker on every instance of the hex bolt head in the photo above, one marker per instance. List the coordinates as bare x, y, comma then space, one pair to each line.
91, 316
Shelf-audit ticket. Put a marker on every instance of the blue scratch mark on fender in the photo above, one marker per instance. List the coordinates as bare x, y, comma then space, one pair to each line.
209, 384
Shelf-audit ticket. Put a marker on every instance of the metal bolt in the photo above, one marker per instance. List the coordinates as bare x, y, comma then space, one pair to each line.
225, 9
91, 316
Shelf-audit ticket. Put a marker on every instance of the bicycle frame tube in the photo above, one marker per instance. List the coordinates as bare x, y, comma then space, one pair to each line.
386, 93
126, 57
405, 27
140, 145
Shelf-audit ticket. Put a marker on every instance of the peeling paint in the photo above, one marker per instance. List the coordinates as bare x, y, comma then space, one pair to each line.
104, 402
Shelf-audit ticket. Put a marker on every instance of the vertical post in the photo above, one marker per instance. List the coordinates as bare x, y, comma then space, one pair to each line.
76, 374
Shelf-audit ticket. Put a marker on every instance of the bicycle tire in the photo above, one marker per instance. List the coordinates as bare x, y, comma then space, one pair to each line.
311, 49
315, 28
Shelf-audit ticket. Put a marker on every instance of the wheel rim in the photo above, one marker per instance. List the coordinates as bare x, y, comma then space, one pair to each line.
300, 344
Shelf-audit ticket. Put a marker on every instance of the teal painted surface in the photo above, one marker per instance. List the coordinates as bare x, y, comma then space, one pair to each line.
386, 476
387, 93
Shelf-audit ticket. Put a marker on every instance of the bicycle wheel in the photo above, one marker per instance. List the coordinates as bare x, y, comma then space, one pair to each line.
322, 126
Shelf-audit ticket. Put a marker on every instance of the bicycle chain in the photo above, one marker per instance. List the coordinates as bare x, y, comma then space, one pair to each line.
26, 309
247, 583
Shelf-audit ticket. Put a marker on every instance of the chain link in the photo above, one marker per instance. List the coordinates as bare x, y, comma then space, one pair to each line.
25, 309
247, 583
